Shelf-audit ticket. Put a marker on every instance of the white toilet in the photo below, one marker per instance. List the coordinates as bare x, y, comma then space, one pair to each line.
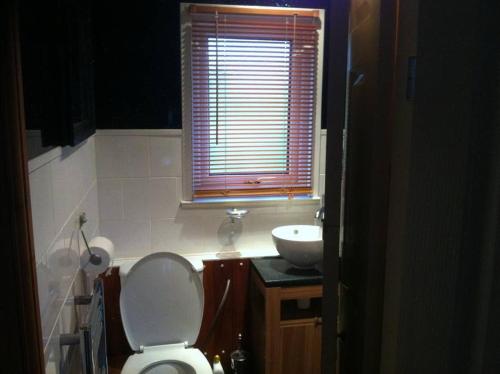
161, 304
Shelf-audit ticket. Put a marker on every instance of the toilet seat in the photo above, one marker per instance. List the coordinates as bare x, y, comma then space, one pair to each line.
184, 361
161, 304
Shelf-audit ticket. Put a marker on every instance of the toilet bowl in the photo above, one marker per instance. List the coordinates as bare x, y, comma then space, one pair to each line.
161, 305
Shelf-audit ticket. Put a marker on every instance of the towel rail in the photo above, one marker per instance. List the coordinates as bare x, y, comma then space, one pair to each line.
91, 337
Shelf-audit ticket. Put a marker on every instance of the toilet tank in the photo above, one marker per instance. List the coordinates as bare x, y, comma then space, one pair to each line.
126, 265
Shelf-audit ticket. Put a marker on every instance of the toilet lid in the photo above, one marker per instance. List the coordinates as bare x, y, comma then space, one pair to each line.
161, 301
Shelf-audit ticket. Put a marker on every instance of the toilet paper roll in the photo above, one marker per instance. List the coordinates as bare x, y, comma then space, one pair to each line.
102, 247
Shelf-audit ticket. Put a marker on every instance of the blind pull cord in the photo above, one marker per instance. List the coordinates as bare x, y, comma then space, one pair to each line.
294, 26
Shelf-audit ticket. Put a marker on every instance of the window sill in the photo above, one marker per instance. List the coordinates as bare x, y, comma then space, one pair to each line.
250, 202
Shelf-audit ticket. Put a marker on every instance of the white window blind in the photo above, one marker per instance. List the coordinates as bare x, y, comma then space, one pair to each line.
253, 101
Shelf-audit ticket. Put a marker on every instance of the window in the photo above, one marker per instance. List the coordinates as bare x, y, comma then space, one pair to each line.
253, 100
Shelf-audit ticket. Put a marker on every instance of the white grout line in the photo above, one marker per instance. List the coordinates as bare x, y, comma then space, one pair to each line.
43, 159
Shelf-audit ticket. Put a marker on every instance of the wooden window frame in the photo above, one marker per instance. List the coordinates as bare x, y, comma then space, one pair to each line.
292, 155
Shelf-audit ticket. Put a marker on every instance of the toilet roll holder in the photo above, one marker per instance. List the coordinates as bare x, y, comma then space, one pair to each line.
94, 258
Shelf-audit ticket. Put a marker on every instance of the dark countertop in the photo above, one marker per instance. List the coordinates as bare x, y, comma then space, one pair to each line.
277, 272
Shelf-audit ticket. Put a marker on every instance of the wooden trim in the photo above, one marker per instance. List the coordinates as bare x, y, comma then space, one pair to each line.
334, 115
254, 192
272, 318
22, 351
291, 293
300, 322
265, 11
258, 282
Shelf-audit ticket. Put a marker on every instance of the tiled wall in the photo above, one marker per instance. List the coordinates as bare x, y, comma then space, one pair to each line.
140, 187
63, 183
130, 185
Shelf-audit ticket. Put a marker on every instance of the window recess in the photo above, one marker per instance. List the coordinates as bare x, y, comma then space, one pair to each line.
253, 74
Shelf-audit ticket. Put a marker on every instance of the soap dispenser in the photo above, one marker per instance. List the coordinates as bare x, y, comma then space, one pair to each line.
217, 366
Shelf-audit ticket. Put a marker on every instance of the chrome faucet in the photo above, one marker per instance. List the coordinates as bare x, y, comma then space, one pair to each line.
236, 214
319, 217
320, 214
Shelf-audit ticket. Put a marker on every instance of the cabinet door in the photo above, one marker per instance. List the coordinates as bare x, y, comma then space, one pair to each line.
223, 338
57, 63
300, 346
78, 91
316, 347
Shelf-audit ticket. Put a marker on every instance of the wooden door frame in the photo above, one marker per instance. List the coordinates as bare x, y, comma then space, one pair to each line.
22, 350
334, 116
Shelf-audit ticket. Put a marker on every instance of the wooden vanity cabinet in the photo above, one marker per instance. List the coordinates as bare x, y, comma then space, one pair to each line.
300, 342
284, 338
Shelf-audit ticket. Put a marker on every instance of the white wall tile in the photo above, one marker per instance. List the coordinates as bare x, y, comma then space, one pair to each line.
153, 220
67, 323
90, 206
48, 293
108, 157
63, 262
73, 173
63, 187
164, 198
42, 209
166, 154
131, 238
83, 167
52, 356
110, 199
135, 199
256, 231
87, 166
66, 187
122, 156
306, 212
179, 237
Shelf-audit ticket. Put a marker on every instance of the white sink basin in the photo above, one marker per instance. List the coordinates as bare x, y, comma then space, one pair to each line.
301, 245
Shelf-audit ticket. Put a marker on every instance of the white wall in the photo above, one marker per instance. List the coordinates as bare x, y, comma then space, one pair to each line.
140, 188
63, 183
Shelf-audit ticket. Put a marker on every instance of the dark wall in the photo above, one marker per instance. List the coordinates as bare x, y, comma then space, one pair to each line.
137, 52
